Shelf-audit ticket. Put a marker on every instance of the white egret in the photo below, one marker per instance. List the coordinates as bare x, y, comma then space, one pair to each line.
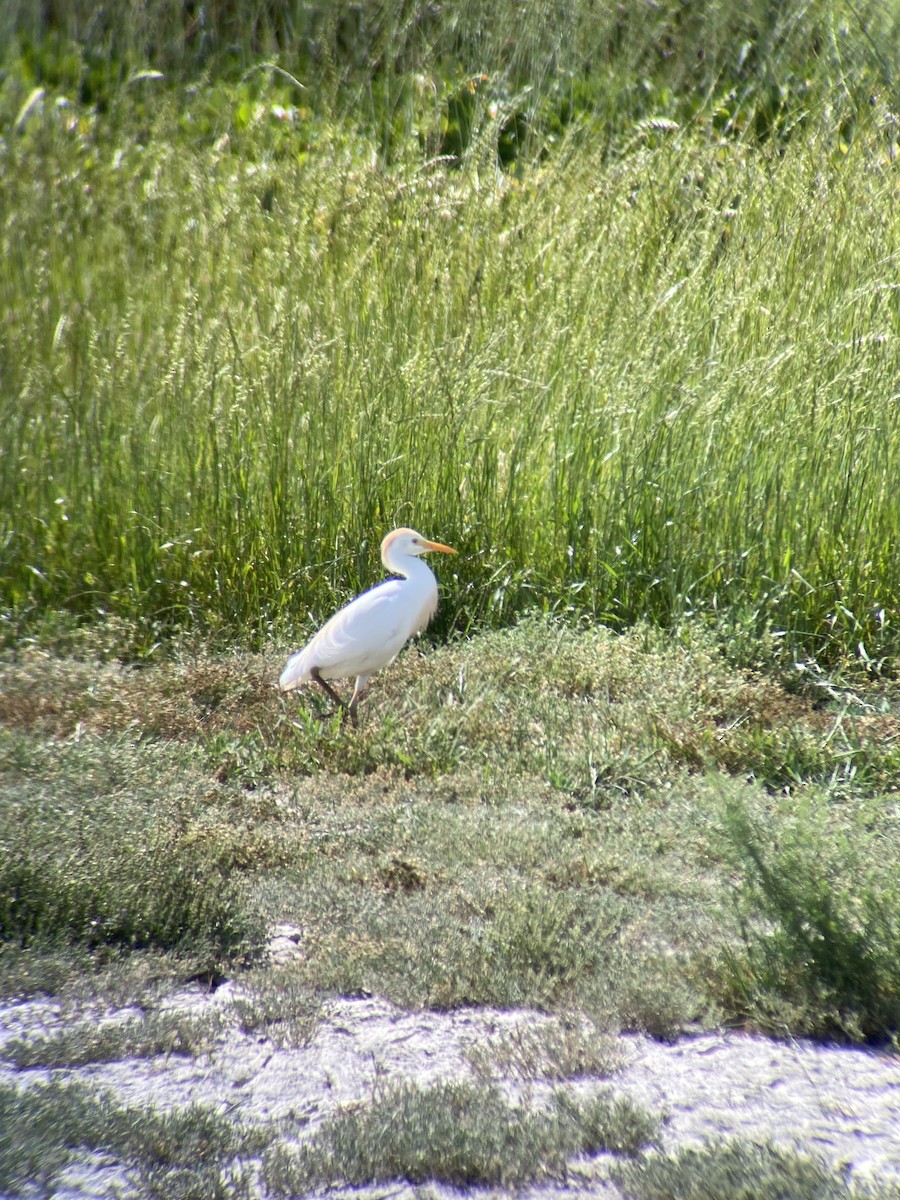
371, 630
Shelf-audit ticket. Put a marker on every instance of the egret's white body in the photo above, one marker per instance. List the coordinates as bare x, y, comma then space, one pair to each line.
371, 630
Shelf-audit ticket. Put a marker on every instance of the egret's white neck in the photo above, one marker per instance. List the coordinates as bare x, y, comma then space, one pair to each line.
408, 566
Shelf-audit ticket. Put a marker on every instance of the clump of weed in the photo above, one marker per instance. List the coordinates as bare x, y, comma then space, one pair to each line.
458, 1133
846, 756
183, 692
89, 1041
38, 1129
737, 1170
279, 1006
556, 1048
190, 1151
819, 915
43, 1127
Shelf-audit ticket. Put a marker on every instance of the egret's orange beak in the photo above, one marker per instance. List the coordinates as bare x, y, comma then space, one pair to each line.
437, 546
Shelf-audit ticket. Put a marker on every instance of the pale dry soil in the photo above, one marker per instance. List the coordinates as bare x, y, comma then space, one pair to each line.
840, 1104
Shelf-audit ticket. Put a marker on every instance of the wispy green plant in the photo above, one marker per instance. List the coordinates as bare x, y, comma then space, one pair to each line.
458, 1133
559, 1048
81, 1043
192, 1151
820, 924
737, 1170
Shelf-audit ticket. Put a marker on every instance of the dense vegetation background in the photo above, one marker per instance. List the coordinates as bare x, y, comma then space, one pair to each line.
603, 293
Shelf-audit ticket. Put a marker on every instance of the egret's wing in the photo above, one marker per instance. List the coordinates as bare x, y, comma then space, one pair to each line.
358, 640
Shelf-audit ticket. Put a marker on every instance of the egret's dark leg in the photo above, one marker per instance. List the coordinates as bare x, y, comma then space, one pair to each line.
333, 694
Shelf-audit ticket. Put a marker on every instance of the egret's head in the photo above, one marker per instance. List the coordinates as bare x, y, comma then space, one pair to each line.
403, 543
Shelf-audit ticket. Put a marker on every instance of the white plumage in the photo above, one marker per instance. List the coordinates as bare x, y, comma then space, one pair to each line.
371, 630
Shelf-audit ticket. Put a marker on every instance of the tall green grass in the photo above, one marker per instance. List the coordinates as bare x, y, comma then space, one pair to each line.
762, 57
237, 348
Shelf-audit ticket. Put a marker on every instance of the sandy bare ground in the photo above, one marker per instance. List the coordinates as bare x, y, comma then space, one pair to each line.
840, 1104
